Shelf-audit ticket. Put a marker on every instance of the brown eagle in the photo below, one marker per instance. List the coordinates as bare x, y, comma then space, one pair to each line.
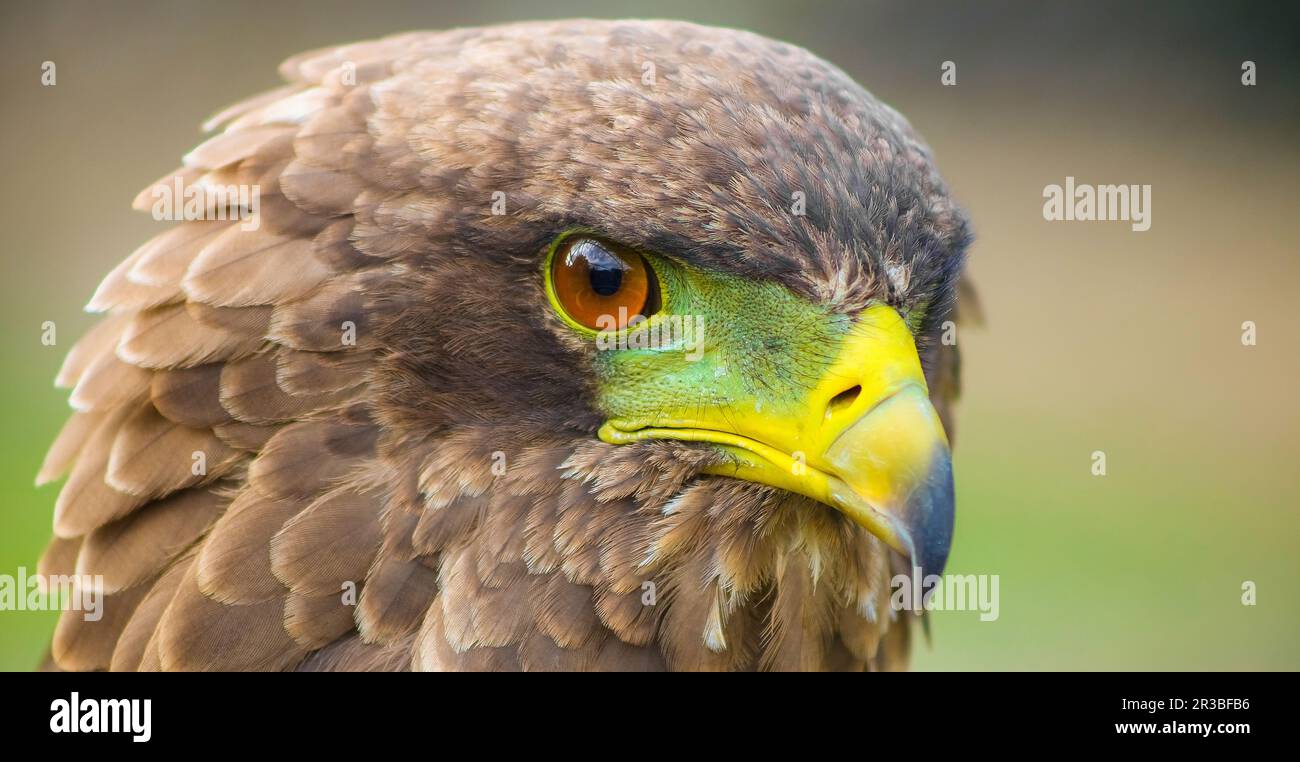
548, 346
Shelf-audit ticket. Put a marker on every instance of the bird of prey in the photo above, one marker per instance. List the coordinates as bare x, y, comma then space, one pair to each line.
422, 406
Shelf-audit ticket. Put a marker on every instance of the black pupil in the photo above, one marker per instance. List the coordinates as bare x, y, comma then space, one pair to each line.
606, 280
604, 270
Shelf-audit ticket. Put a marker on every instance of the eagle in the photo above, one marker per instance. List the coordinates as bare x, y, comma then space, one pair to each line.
579, 345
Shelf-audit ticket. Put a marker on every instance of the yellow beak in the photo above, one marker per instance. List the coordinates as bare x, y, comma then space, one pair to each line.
865, 440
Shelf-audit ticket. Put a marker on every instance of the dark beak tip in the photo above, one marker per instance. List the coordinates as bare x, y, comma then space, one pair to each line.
930, 518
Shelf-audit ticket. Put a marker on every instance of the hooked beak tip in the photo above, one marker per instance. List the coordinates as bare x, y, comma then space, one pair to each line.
925, 523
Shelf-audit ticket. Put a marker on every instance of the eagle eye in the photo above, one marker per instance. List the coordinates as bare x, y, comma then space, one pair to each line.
602, 286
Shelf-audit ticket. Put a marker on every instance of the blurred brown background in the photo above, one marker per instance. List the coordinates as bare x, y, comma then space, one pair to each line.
1096, 337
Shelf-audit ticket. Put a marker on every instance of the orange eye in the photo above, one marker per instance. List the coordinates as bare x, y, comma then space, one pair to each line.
601, 285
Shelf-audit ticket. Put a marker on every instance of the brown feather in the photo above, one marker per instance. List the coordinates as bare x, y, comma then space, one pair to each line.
304, 459
334, 247
321, 321
165, 258
565, 612
245, 436
80, 644
145, 200
118, 292
394, 599
220, 119
233, 145
295, 108
313, 373
190, 396
132, 643
633, 621
696, 634
108, 383
250, 393
59, 559
433, 652
72, 437
197, 633
327, 192
328, 545
796, 624
476, 616
153, 456
351, 654
241, 268
280, 216
101, 339
234, 564
315, 621
86, 500
617, 656
168, 337
539, 653
251, 323
131, 550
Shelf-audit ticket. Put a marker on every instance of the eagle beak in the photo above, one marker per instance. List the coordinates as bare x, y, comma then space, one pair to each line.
865, 440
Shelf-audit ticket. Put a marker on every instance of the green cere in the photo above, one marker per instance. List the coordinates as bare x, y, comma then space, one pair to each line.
719, 341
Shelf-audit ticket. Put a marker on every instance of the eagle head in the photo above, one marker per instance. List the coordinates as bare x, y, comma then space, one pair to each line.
562, 345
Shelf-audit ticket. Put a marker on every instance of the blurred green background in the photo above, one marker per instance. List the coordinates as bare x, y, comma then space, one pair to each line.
1095, 338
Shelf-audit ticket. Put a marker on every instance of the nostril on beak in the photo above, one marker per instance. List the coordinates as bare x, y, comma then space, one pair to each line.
843, 400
